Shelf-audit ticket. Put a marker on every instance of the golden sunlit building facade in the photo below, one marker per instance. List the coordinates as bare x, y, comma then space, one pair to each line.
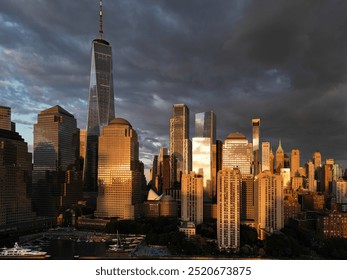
255, 145
192, 191
265, 156
279, 158
269, 203
228, 209
294, 163
119, 178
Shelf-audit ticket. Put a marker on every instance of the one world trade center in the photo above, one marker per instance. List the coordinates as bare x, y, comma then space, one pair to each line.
100, 104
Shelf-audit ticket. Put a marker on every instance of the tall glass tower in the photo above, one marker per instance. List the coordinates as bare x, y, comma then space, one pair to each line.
180, 144
100, 104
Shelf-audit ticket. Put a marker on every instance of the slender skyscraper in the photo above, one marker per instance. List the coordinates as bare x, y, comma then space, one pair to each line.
228, 209
269, 203
265, 156
192, 198
100, 104
256, 157
180, 144
205, 135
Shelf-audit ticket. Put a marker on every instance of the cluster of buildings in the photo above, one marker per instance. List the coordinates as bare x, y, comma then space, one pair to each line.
241, 182
232, 181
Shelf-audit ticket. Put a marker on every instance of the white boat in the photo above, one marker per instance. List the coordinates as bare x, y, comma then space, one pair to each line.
118, 245
18, 251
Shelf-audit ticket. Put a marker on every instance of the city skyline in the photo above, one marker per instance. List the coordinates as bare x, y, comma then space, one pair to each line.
240, 60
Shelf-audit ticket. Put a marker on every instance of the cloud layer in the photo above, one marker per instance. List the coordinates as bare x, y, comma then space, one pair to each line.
282, 61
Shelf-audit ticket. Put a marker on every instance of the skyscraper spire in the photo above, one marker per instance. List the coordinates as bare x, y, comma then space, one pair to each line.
280, 146
100, 27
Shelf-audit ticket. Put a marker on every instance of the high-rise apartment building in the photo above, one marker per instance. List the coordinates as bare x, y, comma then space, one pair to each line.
255, 142
294, 163
180, 144
56, 152
265, 156
269, 203
192, 198
100, 104
119, 178
228, 209
15, 175
279, 158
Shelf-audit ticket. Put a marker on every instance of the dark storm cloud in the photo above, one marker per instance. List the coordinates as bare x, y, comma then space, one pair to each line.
282, 61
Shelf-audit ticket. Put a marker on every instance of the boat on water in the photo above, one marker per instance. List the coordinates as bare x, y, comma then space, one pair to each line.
118, 245
19, 251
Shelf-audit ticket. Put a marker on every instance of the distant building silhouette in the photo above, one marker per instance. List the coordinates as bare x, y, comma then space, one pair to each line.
15, 175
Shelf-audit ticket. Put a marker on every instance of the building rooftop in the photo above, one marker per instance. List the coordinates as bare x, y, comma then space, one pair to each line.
236, 135
54, 110
118, 121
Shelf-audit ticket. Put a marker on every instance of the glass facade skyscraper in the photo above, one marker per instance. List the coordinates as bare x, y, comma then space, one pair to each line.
56, 151
180, 144
205, 125
100, 104
205, 137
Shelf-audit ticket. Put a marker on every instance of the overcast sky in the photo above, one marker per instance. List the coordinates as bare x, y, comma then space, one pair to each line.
282, 61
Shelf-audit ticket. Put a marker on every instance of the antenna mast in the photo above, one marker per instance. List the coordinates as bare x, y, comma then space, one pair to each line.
100, 27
